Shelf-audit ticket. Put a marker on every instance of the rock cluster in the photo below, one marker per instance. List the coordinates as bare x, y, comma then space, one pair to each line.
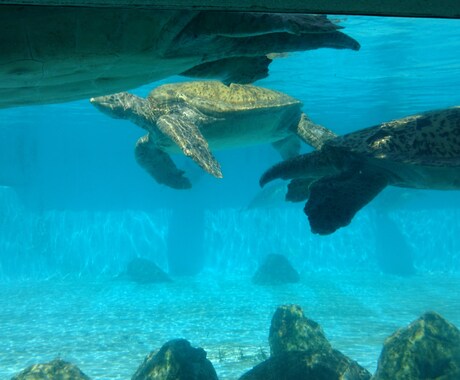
427, 349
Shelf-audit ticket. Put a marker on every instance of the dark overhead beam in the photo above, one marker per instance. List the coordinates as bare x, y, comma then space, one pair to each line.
398, 8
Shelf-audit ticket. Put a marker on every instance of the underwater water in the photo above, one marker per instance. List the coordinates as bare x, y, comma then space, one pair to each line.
75, 208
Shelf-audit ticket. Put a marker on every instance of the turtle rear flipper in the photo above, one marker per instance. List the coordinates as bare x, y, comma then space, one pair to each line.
159, 165
299, 189
190, 140
334, 200
313, 134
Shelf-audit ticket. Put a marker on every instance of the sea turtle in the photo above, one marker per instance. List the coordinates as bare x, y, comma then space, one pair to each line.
53, 54
345, 173
187, 116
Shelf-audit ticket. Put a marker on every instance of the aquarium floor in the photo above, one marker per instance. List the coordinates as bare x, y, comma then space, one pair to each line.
107, 327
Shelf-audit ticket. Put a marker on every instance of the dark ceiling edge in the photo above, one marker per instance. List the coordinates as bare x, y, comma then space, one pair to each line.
394, 8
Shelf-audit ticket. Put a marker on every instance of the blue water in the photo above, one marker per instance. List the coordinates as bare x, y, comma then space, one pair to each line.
76, 207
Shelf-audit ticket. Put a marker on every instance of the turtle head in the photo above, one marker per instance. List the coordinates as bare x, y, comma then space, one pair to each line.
119, 106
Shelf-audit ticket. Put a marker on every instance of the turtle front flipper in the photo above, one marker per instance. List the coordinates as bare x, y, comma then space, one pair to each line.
190, 140
334, 200
159, 165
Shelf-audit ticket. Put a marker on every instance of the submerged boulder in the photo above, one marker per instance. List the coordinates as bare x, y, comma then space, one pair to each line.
177, 360
145, 271
429, 348
307, 365
275, 270
300, 351
57, 369
290, 330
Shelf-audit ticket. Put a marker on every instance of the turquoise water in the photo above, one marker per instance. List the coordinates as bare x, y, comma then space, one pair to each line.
77, 207
108, 327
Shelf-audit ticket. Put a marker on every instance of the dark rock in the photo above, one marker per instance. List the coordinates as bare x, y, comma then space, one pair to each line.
55, 370
290, 330
145, 271
299, 350
176, 360
275, 270
308, 365
429, 348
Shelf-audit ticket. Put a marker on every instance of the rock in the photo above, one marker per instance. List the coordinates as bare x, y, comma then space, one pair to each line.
275, 270
300, 350
308, 365
145, 272
290, 330
57, 369
177, 360
429, 348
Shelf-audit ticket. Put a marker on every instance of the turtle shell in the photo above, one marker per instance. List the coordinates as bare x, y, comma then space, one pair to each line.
427, 139
212, 97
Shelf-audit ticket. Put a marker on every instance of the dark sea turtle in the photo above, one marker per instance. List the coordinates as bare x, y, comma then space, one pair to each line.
345, 173
185, 117
53, 54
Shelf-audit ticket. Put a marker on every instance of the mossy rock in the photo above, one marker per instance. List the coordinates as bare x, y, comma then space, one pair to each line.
308, 365
429, 348
300, 351
55, 370
176, 360
290, 330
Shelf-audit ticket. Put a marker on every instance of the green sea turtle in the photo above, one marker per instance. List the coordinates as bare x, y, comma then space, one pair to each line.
345, 173
187, 116
53, 54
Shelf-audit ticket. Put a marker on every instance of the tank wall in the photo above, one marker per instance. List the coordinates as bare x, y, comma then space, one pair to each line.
40, 245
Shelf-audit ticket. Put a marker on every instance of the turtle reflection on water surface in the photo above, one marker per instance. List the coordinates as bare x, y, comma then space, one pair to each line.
52, 54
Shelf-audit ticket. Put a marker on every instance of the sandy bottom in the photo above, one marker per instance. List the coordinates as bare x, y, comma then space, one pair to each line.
107, 327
